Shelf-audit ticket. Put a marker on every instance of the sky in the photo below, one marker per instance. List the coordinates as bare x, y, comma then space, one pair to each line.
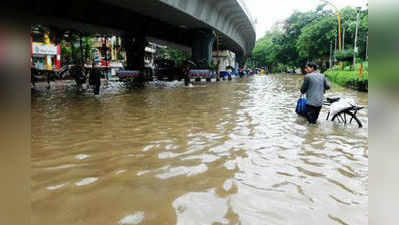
268, 12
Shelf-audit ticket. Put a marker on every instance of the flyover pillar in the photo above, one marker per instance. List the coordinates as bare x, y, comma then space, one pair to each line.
202, 45
240, 59
135, 51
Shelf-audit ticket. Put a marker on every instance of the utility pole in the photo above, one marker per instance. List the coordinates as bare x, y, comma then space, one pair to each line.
335, 46
330, 54
367, 46
343, 38
339, 29
355, 49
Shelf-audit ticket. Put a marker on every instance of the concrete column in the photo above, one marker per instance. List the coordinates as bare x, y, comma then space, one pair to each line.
127, 42
135, 51
202, 45
240, 59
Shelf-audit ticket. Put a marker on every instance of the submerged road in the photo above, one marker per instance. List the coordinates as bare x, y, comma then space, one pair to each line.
219, 153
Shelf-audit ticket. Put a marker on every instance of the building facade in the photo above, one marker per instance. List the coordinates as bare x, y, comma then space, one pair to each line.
45, 55
227, 59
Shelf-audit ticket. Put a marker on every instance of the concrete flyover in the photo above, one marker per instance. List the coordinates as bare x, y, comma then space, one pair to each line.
187, 23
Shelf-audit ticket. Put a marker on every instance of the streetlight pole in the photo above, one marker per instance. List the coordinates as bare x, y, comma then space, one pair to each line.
339, 22
355, 49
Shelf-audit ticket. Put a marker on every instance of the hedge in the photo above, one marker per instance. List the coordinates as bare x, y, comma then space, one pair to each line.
349, 79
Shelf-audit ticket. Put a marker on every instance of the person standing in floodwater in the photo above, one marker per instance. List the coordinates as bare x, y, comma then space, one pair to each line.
95, 79
314, 86
186, 71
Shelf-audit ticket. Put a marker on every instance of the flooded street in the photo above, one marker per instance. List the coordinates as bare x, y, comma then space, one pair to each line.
218, 153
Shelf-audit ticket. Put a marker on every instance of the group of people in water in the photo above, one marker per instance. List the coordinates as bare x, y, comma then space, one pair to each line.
78, 73
314, 85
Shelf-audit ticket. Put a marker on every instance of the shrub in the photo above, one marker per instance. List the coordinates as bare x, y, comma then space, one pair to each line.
344, 55
347, 78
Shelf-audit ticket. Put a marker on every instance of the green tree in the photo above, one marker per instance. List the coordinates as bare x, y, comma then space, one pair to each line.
345, 55
349, 24
306, 36
287, 50
263, 53
314, 41
66, 52
177, 55
87, 46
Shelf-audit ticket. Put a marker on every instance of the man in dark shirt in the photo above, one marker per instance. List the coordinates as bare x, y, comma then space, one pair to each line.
188, 64
95, 79
314, 86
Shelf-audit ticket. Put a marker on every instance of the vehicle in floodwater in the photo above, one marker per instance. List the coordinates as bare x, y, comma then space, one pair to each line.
343, 110
166, 69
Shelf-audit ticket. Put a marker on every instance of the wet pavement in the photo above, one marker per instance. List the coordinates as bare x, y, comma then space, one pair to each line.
217, 153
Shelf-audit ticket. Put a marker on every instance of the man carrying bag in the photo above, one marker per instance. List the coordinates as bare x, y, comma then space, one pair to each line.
301, 106
314, 86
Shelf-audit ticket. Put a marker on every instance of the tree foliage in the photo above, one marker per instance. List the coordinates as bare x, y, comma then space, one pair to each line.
263, 53
70, 49
307, 36
314, 41
175, 54
344, 55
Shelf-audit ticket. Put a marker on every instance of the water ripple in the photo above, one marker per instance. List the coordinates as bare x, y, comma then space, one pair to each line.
224, 153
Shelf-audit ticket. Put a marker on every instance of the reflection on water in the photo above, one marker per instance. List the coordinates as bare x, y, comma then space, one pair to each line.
135, 218
226, 153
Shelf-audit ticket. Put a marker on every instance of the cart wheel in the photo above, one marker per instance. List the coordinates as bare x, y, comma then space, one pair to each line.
339, 117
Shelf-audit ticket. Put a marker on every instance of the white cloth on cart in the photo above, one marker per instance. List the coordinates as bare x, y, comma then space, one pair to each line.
342, 104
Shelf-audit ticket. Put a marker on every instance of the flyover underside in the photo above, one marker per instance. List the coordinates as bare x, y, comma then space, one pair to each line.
228, 17
85, 17
157, 19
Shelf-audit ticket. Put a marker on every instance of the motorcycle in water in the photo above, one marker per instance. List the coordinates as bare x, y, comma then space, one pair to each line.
78, 74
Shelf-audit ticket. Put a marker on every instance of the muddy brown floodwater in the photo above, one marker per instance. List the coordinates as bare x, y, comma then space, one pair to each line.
220, 153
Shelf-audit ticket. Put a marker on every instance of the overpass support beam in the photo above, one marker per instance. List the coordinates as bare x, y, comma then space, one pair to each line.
202, 45
240, 59
135, 51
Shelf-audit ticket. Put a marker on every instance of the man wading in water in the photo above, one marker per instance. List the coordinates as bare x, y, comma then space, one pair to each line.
95, 79
314, 86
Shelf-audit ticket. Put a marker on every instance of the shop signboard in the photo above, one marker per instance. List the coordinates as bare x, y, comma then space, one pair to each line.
43, 49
